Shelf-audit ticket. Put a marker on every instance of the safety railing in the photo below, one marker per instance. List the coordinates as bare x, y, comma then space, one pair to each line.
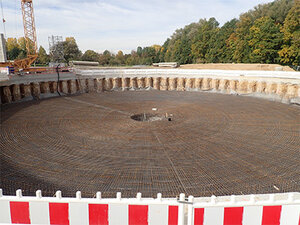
268, 209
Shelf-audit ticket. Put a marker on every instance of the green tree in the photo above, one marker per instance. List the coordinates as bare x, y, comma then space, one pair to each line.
120, 58
71, 50
22, 46
105, 58
90, 55
290, 53
265, 41
139, 51
277, 10
13, 48
239, 40
219, 49
43, 57
203, 39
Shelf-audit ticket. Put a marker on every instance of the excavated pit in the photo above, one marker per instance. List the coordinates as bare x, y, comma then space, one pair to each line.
148, 117
217, 144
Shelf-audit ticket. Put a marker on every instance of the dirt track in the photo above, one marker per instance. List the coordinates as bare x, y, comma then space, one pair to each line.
207, 66
215, 144
236, 66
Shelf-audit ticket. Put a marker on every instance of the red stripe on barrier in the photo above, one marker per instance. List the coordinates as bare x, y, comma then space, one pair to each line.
271, 215
59, 213
19, 212
233, 215
173, 215
138, 214
199, 216
98, 214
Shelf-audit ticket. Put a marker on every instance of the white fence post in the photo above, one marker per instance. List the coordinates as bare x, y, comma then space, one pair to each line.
58, 195
38, 194
181, 210
98, 195
19, 193
190, 211
119, 196
78, 195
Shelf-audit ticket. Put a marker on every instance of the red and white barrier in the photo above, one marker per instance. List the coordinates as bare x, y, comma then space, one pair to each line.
251, 211
78, 211
273, 209
249, 215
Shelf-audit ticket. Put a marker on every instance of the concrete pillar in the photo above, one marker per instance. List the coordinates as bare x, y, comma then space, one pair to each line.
223, 85
251, 86
232, 86
44, 86
189, 84
261, 87
7, 96
291, 91
164, 84
26, 92
281, 89
149, 82
215, 84
180, 84
198, 82
82, 85
35, 90
271, 88
108, 84
133, 83
16, 92
52, 86
156, 83
141, 83
99, 84
125, 83
117, 83
90, 83
72, 86
206, 84
3, 57
64, 87
242, 87
172, 84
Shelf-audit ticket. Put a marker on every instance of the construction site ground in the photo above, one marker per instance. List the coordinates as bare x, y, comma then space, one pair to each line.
214, 144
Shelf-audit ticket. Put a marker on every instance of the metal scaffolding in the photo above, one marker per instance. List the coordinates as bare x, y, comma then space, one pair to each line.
56, 49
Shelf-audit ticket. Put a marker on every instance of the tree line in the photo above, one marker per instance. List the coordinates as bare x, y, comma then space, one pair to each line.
269, 33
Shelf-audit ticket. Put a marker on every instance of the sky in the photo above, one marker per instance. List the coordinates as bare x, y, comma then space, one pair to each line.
118, 24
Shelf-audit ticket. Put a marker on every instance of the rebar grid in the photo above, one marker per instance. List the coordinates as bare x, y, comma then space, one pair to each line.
215, 144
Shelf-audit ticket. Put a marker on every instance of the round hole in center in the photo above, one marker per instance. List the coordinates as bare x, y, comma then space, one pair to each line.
143, 117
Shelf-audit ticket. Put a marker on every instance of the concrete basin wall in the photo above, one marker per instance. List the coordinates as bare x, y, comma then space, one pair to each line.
276, 86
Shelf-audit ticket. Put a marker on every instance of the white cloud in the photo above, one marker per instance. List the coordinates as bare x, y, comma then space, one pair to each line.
119, 24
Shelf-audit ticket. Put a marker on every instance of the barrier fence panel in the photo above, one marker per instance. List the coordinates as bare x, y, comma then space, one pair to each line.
94, 211
269, 209
272, 209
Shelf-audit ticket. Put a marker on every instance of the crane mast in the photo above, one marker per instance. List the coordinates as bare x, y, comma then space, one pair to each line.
30, 36
29, 27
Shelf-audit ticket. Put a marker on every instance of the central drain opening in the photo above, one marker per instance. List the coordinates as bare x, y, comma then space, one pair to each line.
143, 117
